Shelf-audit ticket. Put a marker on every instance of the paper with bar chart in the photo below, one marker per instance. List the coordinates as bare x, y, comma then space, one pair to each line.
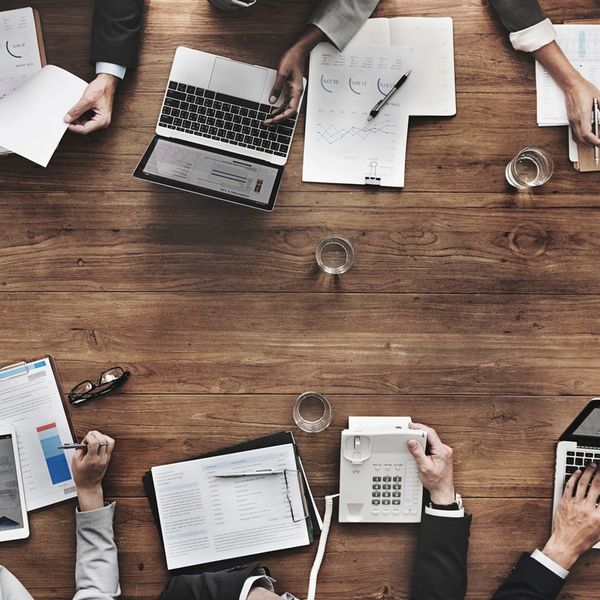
31, 401
340, 144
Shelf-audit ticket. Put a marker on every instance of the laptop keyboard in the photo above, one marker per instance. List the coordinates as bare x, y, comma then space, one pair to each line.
580, 459
224, 118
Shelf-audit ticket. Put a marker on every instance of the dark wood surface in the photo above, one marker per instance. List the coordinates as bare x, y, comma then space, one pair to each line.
471, 307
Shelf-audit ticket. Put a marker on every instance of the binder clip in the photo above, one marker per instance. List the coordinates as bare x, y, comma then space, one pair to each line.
371, 178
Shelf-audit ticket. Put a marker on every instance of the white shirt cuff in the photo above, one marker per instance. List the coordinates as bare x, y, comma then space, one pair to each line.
549, 564
265, 579
534, 37
111, 69
452, 514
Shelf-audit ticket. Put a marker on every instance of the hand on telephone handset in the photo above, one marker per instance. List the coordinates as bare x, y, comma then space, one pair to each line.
435, 469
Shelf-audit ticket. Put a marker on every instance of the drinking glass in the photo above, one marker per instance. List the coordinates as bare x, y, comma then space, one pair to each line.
312, 412
335, 255
529, 168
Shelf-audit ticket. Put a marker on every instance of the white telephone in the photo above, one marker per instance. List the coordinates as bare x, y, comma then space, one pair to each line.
379, 479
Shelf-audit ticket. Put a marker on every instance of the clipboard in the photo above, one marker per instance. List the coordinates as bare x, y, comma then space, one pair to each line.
40, 432
314, 521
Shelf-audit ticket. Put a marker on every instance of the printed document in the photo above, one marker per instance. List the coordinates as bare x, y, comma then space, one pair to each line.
32, 117
20, 56
581, 45
31, 401
340, 145
205, 518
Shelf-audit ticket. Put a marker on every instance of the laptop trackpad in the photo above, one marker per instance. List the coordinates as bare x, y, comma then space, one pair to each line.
238, 79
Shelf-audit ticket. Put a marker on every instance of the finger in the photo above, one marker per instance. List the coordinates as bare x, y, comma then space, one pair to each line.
93, 443
589, 138
570, 486
79, 109
88, 127
418, 453
78, 456
278, 118
280, 80
594, 493
433, 439
584, 481
110, 447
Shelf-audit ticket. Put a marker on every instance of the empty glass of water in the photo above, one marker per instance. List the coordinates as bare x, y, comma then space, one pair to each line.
335, 255
530, 168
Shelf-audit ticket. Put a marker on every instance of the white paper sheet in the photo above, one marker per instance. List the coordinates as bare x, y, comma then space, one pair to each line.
31, 401
340, 145
581, 45
32, 117
432, 82
19, 50
206, 518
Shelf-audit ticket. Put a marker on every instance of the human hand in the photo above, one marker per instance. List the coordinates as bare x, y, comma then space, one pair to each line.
94, 110
577, 520
259, 593
89, 466
579, 98
435, 469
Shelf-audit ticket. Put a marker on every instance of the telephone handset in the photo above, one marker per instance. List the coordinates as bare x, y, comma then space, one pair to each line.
379, 478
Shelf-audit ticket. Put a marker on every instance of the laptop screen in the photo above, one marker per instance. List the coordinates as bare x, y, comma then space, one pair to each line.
590, 426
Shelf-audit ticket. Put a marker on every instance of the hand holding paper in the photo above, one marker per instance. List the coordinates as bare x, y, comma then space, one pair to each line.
32, 117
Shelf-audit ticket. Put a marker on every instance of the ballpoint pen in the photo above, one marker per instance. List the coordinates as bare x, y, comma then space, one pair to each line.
78, 446
595, 123
375, 110
249, 473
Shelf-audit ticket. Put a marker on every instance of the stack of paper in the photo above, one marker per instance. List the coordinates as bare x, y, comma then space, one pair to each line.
340, 144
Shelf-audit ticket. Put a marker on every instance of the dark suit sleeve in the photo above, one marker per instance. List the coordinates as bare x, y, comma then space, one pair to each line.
440, 571
116, 31
530, 580
518, 14
221, 585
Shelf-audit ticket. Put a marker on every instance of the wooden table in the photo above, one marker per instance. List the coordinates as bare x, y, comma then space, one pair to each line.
471, 307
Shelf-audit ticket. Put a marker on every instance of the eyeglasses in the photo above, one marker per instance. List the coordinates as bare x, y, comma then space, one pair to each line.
107, 382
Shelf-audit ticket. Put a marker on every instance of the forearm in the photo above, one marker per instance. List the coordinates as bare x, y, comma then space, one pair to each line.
553, 59
311, 35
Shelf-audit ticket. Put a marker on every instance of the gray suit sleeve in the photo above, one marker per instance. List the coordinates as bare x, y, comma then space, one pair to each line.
97, 569
518, 14
339, 20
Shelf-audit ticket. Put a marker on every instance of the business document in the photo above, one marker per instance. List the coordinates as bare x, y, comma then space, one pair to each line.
31, 401
205, 518
340, 144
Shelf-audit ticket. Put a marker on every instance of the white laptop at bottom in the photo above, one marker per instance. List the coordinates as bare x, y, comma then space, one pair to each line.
578, 446
210, 137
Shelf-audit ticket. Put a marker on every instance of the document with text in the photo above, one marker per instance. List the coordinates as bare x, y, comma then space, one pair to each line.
205, 518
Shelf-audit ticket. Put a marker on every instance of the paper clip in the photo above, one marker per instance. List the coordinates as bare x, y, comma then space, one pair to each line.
371, 178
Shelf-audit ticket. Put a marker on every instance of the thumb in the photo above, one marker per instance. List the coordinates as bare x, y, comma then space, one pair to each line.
417, 451
277, 87
79, 109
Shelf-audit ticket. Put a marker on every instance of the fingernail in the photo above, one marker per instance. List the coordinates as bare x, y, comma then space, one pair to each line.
273, 99
68, 118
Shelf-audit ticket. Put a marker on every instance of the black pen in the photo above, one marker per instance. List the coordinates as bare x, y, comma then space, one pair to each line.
375, 110
78, 446
595, 124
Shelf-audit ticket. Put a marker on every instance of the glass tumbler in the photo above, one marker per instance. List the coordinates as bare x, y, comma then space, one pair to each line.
529, 168
335, 255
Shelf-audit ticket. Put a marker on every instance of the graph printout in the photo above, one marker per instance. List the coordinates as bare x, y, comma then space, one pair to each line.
31, 401
581, 45
341, 145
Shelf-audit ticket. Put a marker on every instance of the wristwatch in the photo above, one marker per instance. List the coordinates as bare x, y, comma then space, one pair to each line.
456, 505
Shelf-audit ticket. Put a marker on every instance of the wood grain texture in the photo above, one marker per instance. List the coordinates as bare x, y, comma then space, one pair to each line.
473, 308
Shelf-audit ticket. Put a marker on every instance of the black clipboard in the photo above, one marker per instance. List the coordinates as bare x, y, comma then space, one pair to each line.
275, 439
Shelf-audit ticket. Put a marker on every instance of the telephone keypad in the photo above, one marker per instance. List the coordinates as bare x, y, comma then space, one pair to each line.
385, 483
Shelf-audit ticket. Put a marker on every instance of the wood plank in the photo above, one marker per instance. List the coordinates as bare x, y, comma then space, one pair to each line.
484, 431
150, 242
354, 567
360, 344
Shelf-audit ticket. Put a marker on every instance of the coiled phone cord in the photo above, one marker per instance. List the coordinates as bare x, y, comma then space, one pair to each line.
314, 572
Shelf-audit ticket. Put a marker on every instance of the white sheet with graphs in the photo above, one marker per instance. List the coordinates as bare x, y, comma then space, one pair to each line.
581, 45
340, 145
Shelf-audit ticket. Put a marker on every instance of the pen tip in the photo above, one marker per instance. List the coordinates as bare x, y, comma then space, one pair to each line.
369, 117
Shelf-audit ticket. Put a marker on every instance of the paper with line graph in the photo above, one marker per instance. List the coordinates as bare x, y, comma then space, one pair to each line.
340, 145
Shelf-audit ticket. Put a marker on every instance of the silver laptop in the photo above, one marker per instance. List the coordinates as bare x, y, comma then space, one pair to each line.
578, 446
211, 138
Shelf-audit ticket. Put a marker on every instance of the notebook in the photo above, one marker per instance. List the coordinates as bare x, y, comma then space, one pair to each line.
22, 53
206, 520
